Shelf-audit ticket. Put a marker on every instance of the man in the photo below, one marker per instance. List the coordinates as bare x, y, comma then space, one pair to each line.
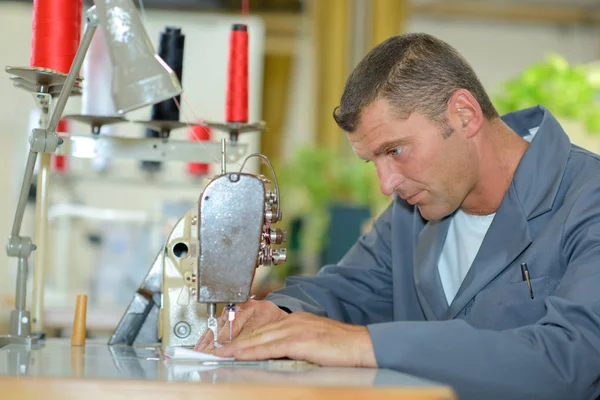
484, 272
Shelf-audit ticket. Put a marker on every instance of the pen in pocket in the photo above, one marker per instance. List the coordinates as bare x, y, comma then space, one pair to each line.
525, 277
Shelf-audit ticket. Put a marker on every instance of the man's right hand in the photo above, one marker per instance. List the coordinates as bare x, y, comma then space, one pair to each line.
248, 316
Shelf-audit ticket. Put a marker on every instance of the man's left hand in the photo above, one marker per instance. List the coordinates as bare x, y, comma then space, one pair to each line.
304, 336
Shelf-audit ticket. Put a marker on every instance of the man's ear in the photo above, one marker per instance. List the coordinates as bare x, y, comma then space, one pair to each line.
465, 113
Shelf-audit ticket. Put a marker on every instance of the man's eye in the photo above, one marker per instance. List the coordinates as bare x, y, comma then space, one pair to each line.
396, 152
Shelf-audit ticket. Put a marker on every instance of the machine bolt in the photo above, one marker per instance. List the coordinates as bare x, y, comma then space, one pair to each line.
272, 215
277, 236
189, 277
278, 256
182, 329
271, 197
204, 292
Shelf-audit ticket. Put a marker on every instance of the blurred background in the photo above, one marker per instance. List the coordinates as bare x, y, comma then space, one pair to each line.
108, 219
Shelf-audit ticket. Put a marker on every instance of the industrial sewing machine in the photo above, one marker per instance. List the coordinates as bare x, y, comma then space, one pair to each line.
211, 254
208, 259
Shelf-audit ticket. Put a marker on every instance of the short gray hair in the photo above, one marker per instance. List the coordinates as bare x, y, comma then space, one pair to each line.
414, 72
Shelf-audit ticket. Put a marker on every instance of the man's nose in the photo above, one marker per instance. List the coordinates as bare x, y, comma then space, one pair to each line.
389, 178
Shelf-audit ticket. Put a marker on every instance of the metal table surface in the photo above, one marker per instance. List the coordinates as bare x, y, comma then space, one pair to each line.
55, 358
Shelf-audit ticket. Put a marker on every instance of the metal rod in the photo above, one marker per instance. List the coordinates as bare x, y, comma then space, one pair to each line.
20, 326
212, 309
149, 149
25, 185
41, 240
65, 92
21, 297
41, 234
223, 157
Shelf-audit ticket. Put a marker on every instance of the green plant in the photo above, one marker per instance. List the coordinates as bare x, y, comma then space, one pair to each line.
566, 90
315, 178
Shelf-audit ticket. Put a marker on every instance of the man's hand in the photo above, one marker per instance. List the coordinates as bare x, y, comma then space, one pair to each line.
303, 336
248, 316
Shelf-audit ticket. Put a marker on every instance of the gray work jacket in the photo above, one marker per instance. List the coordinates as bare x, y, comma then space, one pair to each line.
494, 341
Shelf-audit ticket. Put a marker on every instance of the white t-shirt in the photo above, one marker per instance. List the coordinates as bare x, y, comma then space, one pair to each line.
463, 241
464, 238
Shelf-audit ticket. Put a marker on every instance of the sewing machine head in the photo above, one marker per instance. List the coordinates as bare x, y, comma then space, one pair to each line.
235, 233
213, 251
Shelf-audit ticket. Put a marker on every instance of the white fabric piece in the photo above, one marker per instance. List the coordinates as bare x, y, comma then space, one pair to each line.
185, 353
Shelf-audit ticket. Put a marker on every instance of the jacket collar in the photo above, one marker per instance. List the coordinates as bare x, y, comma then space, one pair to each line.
540, 171
531, 193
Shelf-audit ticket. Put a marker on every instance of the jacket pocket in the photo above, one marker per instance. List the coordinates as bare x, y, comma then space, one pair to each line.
509, 305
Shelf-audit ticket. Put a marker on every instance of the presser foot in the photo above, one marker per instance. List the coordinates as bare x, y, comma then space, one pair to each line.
214, 327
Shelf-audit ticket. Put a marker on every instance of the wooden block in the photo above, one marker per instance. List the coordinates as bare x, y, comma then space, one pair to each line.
79, 321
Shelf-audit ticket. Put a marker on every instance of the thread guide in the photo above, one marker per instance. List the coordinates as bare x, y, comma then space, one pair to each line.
42, 80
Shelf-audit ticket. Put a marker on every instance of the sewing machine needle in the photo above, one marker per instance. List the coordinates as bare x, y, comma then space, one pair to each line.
231, 318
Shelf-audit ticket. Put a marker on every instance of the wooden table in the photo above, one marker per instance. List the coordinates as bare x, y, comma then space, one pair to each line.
56, 371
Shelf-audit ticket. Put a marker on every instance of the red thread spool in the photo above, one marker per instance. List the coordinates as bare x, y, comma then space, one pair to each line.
198, 133
56, 33
59, 162
237, 77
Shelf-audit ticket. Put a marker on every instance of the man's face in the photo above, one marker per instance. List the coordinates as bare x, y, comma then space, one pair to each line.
413, 158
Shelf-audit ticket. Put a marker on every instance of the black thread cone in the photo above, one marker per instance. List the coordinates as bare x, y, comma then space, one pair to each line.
170, 49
